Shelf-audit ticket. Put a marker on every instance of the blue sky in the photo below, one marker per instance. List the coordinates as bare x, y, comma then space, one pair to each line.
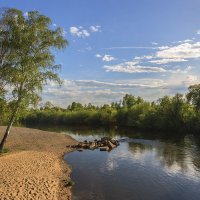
148, 48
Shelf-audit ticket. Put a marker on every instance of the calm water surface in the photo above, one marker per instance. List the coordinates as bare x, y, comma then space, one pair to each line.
141, 168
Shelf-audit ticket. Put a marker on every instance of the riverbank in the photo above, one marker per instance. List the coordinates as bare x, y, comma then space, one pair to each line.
34, 168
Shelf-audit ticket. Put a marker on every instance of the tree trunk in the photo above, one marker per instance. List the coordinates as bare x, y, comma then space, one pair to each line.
7, 132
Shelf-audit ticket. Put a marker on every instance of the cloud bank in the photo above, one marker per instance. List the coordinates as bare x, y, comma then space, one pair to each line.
101, 92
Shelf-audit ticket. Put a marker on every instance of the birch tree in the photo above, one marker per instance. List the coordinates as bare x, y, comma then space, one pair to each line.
27, 42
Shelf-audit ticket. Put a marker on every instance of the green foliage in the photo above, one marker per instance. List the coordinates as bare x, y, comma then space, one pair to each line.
4, 110
193, 96
75, 107
26, 60
170, 112
129, 101
167, 114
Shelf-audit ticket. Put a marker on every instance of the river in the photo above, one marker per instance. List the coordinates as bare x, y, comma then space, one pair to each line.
143, 167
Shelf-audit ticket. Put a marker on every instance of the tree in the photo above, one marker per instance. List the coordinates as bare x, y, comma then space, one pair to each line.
193, 96
26, 60
48, 105
75, 106
170, 112
129, 101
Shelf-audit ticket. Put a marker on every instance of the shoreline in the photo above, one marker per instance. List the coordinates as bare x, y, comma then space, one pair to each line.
35, 167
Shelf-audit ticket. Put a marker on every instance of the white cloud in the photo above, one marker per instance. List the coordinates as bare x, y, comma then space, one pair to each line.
131, 67
182, 51
129, 47
143, 57
163, 47
145, 83
179, 53
154, 43
180, 81
96, 28
98, 56
96, 92
185, 41
55, 25
138, 58
79, 32
137, 47
108, 58
83, 32
74, 30
100, 92
167, 60
191, 79
170, 54
136, 67
81, 91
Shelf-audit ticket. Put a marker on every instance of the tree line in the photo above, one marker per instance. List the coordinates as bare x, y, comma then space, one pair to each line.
170, 113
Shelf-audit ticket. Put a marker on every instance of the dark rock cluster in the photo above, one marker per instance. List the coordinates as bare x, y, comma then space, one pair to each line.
104, 144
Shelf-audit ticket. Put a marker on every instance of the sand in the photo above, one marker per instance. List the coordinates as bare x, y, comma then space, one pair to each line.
34, 168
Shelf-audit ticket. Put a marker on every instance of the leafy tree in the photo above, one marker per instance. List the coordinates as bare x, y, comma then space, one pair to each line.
170, 112
90, 107
75, 106
4, 111
48, 105
116, 105
26, 60
193, 96
129, 101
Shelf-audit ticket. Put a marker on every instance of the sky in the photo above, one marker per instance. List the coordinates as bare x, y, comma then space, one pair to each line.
147, 48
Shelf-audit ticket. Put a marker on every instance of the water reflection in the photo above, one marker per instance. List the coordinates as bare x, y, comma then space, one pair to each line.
138, 169
182, 157
174, 152
144, 167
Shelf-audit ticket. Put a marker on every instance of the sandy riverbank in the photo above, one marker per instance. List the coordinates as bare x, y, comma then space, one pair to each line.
34, 168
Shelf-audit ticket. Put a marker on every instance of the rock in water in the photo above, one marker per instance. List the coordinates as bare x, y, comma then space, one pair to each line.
92, 145
104, 148
105, 144
111, 145
80, 150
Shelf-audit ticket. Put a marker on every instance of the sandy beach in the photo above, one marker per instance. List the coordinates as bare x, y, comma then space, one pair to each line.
34, 167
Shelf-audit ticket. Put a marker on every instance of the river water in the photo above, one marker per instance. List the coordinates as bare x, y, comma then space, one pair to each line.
143, 167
